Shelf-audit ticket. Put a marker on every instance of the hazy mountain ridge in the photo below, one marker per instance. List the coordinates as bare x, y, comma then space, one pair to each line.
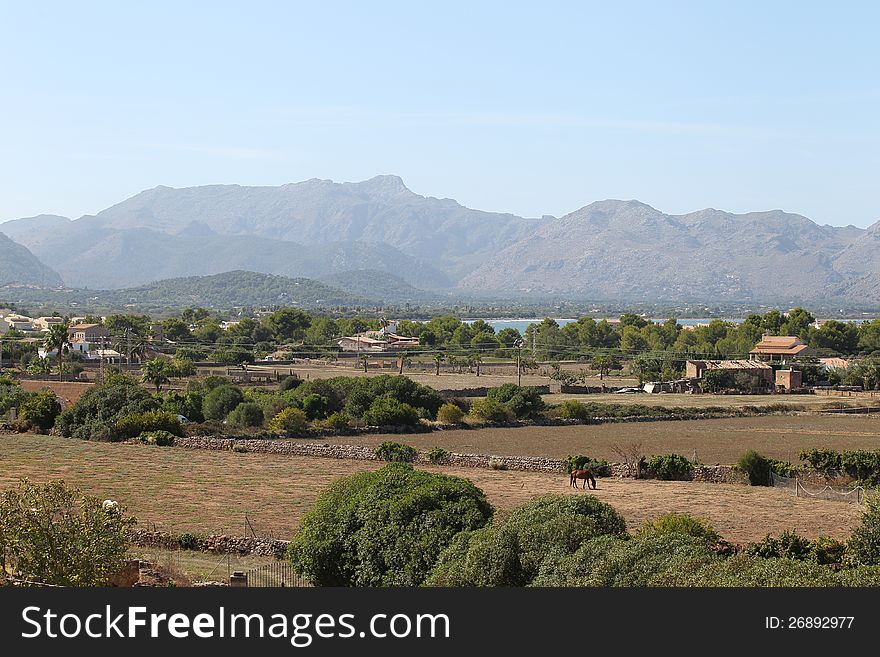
609, 249
18, 266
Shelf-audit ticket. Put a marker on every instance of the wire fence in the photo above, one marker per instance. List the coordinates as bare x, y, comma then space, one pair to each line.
798, 488
279, 574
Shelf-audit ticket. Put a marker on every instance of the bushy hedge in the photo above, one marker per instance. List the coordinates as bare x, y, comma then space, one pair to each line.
438, 456
511, 553
390, 412
385, 528
861, 465
221, 401
491, 410
39, 410
159, 438
681, 523
450, 414
246, 414
132, 426
290, 421
600, 467
573, 410
395, 452
525, 402
669, 467
94, 416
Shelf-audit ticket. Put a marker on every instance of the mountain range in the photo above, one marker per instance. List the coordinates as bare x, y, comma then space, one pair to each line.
377, 235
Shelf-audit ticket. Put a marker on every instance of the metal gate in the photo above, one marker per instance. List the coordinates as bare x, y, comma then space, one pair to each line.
279, 574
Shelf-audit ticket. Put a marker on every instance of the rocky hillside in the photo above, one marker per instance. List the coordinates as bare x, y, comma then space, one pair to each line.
18, 266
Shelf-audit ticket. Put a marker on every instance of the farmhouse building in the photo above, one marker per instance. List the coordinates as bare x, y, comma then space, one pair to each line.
781, 347
86, 338
377, 341
694, 369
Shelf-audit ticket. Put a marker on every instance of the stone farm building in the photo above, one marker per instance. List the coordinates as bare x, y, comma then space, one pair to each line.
694, 369
781, 347
377, 341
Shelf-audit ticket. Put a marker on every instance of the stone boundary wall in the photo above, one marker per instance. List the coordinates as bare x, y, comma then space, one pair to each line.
217, 544
705, 473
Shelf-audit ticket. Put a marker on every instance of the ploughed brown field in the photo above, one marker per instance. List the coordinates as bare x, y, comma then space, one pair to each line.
205, 491
721, 440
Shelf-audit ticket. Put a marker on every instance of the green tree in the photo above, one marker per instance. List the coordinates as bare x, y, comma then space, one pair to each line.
58, 339
176, 330
384, 528
158, 372
40, 409
55, 534
221, 401
604, 363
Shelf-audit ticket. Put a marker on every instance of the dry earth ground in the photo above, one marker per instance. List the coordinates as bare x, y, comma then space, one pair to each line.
721, 440
206, 491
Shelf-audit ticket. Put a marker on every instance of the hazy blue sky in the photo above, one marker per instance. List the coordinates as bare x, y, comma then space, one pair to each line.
532, 108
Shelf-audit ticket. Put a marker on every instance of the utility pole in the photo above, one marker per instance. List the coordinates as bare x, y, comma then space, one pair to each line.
519, 345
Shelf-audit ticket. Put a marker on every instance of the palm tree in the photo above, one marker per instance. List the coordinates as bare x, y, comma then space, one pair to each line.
402, 361
475, 360
58, 339
157, 371
365, 360
439, 358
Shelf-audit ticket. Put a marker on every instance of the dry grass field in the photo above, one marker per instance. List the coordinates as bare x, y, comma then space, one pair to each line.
204, 491
721, 440
805, 402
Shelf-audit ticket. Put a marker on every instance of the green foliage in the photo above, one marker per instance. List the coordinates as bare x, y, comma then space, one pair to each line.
574, 410
158, 372
450, 414
525, 402
389, 412
159, 438
863, 547
491, 410
510, 553
336, 422
395, 452
55, 534
825, 461
290, 421
39, 410
135, 424
95, 415
649, 559
384, 528
669, 467
716, 380
681, 523
187, 541
315, 406
599, 467
756, 466
289, 383
246, 414
240, 449
438, 455
188, 404
221, 401
790, 545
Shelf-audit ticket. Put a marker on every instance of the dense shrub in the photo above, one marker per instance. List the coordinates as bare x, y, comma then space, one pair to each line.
55, 534
290, 421
825, 461
669, 467
95, 414
289, 383
159, 438
315, 406
756, 466
384, 528
246, 414
863, 547
132, 426
188, 541
744, 570
491, 410
39, 410
438, 455
188, 404
389, 412
391, 451
450, 414
511, 553
355, 395
599, 467
573, 410
221, 401
525, 402
646, 560
681, 523
336, 422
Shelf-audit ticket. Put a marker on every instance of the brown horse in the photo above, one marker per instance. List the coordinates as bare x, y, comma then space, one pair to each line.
586, 475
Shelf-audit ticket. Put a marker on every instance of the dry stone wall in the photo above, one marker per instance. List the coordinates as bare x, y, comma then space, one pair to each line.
706, 473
